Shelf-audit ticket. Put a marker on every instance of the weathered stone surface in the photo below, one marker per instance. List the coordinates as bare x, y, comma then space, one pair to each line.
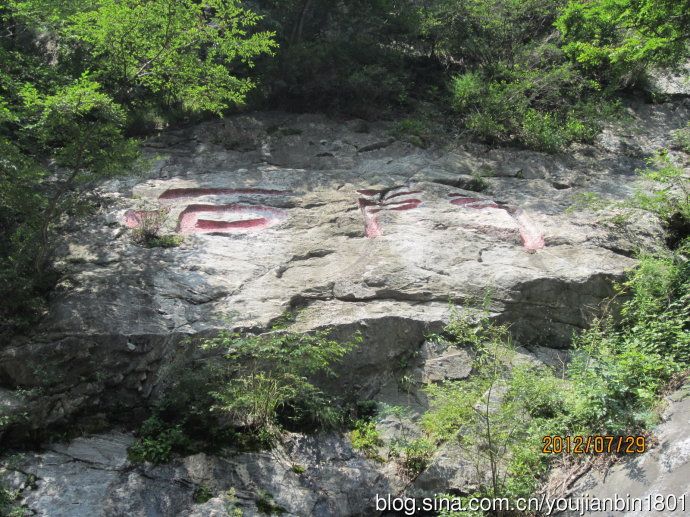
663, 471
92, 477
674, 83
441, 362
450, 471
349, 229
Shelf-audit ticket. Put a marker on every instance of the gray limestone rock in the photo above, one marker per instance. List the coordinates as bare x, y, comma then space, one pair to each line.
92, 477
345, 228
663, 472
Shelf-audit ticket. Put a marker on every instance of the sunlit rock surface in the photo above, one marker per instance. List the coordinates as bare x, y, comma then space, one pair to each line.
662, 475
352, 230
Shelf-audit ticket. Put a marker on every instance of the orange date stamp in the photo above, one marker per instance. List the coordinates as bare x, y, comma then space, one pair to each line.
594, 444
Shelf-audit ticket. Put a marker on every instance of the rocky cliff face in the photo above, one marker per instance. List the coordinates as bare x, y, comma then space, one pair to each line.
343, 226
661, 475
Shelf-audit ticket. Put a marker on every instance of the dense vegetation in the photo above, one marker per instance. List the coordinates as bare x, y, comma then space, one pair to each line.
611, 387
245, 392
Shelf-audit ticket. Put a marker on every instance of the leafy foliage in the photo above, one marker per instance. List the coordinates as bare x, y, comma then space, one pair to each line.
8, 506
366, 438
148, 233
486, 33
670, 192
74, 76
258, 387
81, 129
182, 51
157, 441
266, 380
414, 454
616, 39
681, 138
524, 91
21, 206
611, 386
341, 56
477, 411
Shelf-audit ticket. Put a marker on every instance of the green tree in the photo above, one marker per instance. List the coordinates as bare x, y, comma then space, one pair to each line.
181, 50
478, 414
615, 39
74, 74
174, 51
80, 130
511, 81
488, 33
21, 206
350, 55
266, 379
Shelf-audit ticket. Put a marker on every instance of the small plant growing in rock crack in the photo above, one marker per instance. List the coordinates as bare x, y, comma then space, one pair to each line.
414, 131
266, 504
8, 503
470, 328
231, 503
587, 201
406, 381
148, 232
367, 439
669, 196
681, 138
157, 441
286, 319
414, 455
202, 494
477, 183
298, 469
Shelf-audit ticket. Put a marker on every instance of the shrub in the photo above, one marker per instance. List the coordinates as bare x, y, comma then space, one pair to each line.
616, 40
260, 386
414, 131
202, 494
587, 201
414, 455
618, 371
165, 241
670, 193
267, 505
8, 500
537, 108
681, 138
157, 441
543, 132
148, 233
150, 224
515, 84
366, 439
450, 408
231, 503
472, 329
350, 57
467, 88
264, 380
